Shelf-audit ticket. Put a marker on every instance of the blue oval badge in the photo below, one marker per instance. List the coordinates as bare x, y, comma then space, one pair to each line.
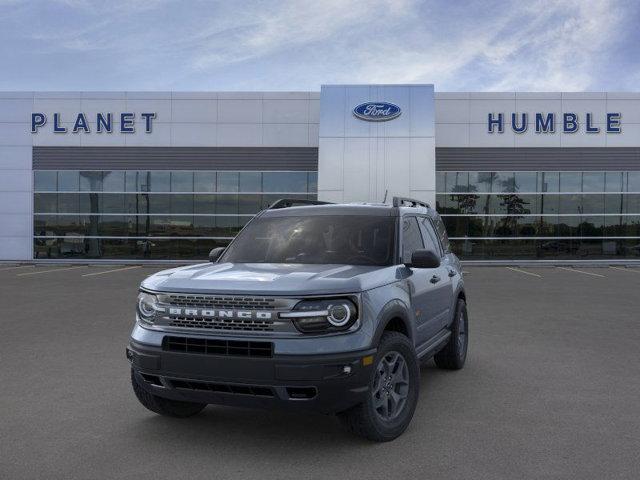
377, 111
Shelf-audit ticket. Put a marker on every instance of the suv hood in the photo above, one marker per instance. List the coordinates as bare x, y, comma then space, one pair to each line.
271, 279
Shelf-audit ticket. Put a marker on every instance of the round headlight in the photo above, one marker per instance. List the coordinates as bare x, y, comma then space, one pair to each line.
339, 315
146, 306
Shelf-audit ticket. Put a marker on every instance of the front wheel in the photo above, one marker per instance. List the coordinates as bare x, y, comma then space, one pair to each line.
164, 406
393, 392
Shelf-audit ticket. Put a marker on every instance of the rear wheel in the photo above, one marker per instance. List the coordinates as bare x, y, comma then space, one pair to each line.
164, 406
393, 392
454, 354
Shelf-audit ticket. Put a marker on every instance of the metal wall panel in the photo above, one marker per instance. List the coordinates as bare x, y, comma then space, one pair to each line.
532, 159
175, 158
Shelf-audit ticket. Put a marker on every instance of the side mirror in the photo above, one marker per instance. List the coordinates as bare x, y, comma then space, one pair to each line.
424, 259
214, 254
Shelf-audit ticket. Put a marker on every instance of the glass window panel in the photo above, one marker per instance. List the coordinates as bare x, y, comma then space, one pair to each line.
571, 203
440, 181
113, 181
429, 236
249, 204
593, 181
90, 181
68, 203
204, 204
633, 182
631, 203
227, 204
137, 181
613, 203
614, 226
45, 203
112, 203
475, 226
569, 226
113, 226
45, 180
480, 181
312, 182
457, 182
158, 203
628, 248
549, 204
571, 181
250, 182
181, 203
632, 226
588, 248
204, 181
441, 202
592, 203
613, 182
228, 181
68, 181
504, 226
457, 226
504, 182
548, 226
91, 203
527, 226
526, 182
592, 226
284, 182
182, 181
159, 182
549, 182
499, 204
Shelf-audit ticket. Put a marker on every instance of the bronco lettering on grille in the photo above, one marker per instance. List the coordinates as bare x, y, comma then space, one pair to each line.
212, 313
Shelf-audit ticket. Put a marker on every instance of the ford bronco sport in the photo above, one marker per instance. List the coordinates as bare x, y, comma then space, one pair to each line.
323, 307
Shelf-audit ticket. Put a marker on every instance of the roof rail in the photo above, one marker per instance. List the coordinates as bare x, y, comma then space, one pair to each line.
409, 202
294, 202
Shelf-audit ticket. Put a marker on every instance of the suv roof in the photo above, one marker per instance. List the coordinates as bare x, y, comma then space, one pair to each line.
400, 206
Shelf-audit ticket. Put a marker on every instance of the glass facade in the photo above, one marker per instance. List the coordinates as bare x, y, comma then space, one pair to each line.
541, 215
152, 214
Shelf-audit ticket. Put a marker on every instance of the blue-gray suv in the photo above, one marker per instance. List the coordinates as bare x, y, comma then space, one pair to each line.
313, 306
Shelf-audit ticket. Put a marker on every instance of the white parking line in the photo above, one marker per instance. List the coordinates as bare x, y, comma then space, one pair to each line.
522, 271
111, 271
14, 268
634, 270
581, 271
49, 271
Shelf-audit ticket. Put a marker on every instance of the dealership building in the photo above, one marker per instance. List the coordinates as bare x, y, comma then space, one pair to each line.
170, 175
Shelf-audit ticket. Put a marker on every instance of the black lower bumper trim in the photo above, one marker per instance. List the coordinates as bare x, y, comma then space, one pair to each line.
324, 383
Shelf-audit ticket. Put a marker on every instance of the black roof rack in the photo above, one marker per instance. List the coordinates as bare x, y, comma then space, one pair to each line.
409, 202
294, 202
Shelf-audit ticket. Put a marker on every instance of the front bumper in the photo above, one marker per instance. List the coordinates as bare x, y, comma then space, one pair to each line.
325, 383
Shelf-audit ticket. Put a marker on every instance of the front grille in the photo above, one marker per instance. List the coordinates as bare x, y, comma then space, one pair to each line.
220, 302
244, 325
207, 346
254, 390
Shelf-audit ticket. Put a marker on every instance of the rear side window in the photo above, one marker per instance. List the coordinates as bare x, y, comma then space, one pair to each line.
411, 238
442, 234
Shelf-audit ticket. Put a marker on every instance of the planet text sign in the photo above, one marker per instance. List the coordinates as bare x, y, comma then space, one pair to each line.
99, 123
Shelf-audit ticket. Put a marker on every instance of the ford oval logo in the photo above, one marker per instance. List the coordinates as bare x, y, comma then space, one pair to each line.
377, 111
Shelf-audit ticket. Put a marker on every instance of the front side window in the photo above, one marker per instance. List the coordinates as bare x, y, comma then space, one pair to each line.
411, 238
430, 239
318, 239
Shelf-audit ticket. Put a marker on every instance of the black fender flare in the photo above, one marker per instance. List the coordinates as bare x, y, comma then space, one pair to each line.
394, 309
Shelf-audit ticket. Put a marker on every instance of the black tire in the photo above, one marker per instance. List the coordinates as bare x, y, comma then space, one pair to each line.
365, 419
454, 354
164, 406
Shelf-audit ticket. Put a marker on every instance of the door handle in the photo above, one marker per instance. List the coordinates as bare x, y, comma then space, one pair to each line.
435, 279
452, 273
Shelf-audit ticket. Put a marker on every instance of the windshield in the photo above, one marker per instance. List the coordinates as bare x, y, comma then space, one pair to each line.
344, 239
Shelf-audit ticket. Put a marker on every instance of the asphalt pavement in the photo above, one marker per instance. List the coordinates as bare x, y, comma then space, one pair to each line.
551, 390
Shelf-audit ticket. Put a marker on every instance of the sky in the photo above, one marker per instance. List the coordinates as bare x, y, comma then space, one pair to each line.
184, 45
